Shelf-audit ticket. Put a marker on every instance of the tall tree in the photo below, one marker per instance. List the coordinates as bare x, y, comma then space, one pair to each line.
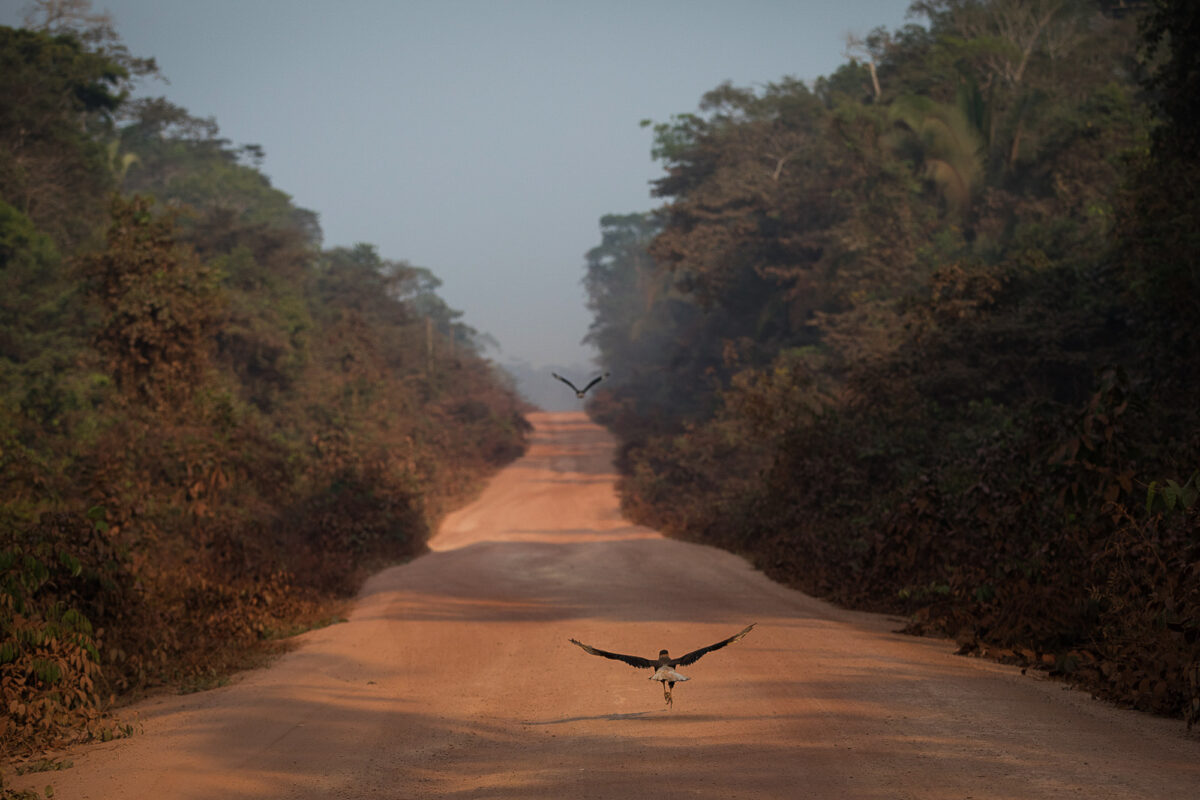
161, 306
60, 101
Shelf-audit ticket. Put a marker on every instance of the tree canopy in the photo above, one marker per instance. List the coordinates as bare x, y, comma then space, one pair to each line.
912, 336
210, 426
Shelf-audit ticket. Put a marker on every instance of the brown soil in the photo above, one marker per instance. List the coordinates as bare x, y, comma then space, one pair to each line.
454, 678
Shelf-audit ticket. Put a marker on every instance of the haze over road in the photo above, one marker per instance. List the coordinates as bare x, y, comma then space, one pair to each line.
454, 678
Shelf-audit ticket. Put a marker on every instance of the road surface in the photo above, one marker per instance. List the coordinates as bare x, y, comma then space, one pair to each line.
453, 677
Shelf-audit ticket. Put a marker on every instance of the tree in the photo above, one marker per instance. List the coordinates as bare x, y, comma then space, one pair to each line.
973, 373
60, 101
1171, 31
1019, 53
95, 30
624, 289
945, 145
161, 306
1158, 232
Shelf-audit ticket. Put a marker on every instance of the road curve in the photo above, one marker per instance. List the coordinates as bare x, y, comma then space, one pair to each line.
453, 677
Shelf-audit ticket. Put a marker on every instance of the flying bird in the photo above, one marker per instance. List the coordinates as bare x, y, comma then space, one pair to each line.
664, 665
581, 392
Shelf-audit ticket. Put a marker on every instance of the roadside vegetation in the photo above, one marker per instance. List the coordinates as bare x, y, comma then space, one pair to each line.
210, 425
921, 337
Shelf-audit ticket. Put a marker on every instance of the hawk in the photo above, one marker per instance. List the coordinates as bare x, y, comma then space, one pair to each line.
581, 392
664, 665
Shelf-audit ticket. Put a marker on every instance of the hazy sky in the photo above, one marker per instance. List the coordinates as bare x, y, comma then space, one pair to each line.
483, 140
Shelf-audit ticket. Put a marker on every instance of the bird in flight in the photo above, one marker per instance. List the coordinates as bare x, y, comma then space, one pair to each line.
664, 665
581, 392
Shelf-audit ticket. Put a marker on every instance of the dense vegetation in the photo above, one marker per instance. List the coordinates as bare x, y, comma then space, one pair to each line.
922, 337
209, 425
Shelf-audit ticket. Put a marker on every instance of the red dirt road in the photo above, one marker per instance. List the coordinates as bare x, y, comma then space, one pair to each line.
453, 678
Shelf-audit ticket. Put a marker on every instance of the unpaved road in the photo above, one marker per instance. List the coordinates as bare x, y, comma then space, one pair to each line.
453, 678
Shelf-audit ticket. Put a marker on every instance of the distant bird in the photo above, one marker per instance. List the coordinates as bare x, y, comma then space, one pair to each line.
664, 665
581, 392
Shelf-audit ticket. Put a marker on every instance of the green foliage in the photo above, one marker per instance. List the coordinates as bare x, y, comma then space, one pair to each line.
1170, 495
928, 344
50, 670
160, 304
35, 306
59, 102
946, 144
209, 428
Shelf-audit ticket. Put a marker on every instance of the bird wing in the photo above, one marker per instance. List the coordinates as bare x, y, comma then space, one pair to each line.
596, 380
634, 661
564, 380
694, 656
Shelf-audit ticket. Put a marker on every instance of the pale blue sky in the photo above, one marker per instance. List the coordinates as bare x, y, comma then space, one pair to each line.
483, 140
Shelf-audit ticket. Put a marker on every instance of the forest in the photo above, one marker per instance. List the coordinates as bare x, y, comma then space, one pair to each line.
920, 336
211, 426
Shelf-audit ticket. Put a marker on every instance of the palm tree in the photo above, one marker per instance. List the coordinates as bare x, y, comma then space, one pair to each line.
945, 144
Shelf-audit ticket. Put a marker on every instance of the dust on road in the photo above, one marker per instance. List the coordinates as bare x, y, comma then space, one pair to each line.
454, 677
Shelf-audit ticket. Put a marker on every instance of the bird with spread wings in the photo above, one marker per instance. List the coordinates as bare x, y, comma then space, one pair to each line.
664, 665
581, 392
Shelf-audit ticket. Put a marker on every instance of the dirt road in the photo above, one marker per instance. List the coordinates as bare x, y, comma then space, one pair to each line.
454, 678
